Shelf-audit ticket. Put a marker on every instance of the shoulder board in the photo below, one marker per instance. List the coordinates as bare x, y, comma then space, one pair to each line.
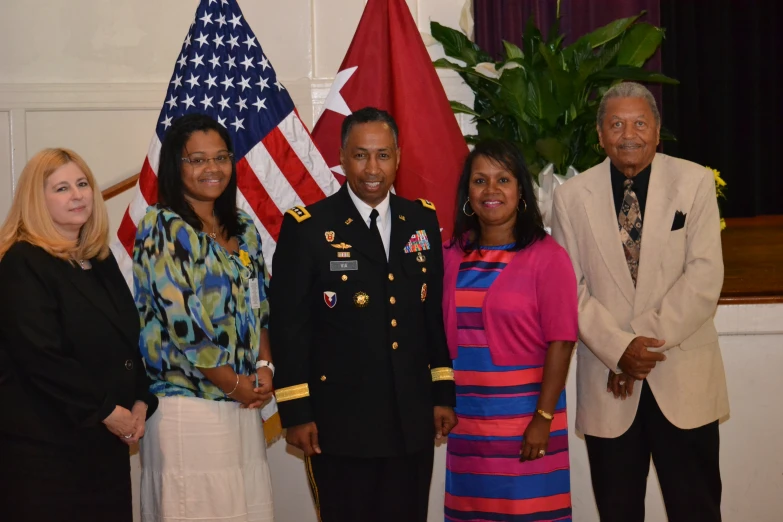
426, 204
299, 213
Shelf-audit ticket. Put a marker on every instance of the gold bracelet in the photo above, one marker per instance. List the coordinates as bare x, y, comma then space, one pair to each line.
235, 387
547, 416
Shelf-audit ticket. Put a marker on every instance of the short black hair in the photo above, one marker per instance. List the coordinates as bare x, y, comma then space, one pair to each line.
368, 115
171, 192
529, 226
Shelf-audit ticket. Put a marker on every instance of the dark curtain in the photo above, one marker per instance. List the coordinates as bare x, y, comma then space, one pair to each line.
727, 111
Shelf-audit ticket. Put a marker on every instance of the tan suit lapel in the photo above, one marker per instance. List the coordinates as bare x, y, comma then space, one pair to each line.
599, 206
656, 226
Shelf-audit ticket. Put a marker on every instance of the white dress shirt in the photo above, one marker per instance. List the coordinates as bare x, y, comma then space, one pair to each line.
383, 220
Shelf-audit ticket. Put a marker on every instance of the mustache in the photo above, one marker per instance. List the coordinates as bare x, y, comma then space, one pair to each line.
630, 145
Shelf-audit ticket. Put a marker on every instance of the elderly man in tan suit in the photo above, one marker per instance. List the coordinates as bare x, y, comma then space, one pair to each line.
643, 233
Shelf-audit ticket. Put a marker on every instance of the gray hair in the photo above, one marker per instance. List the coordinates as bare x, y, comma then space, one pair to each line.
628, 90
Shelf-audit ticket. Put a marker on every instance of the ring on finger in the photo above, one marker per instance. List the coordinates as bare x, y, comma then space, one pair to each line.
621, 383
541, 453
128, 436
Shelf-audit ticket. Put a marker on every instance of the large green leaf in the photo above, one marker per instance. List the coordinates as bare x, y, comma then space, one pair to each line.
461, 108
563, 82
512, 51
639, 44
610, 31
457, 45
626, 72
552, 150
443, 63
513, 91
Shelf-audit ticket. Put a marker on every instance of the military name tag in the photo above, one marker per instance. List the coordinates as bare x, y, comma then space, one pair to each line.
342, 266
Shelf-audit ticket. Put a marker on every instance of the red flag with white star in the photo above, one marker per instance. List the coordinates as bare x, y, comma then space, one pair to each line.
387, 66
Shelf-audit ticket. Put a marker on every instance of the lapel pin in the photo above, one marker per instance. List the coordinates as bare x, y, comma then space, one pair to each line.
329, 234
348, 221
402, 218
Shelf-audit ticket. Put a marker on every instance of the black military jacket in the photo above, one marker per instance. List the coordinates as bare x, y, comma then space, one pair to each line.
358, 342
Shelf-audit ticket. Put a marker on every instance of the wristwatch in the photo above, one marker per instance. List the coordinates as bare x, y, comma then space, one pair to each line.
262, 363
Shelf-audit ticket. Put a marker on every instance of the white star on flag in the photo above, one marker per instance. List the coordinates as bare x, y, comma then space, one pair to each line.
233, 41
206, 19
218, 41
237, 124
244, 83
263, 83
334, 101
202, 40
235, 21
172, 102
260, 104
206, 102
215, 61
228, 82
211, 81
177, 81
247, 62
242, 104
166, 122
193, 81
250, 42
197, 60
231, 62
223, 103
264, 63
188, 101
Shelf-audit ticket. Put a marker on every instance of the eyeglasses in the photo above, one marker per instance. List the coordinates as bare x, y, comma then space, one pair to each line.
222, 160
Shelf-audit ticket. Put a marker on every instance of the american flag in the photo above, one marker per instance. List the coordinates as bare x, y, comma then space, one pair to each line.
222, 71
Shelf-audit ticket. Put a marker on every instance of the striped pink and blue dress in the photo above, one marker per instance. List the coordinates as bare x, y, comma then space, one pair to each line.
485, 480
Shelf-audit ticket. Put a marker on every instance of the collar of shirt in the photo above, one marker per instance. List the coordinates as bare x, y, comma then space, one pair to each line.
640, 184
384, 216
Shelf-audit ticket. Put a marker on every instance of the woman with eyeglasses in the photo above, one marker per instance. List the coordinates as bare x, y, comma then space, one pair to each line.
200, 286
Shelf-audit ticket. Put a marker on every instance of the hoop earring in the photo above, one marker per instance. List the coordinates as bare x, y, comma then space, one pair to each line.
524, 203
465, 211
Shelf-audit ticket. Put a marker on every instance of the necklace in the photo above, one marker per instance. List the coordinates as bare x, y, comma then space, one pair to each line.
213, 234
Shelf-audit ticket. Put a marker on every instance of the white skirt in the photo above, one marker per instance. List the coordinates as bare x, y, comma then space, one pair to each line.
206, 461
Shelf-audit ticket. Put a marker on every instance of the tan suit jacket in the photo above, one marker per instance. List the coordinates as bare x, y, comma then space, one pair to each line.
678, 286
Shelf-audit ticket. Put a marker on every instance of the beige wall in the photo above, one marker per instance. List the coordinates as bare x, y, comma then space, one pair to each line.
92, 74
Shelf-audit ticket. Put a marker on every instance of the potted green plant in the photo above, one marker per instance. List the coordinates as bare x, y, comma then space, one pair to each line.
545, 95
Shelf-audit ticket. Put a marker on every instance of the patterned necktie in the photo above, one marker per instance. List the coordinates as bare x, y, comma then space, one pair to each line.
630, 221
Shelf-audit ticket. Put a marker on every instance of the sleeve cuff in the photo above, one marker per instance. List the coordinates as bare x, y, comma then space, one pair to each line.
443, 393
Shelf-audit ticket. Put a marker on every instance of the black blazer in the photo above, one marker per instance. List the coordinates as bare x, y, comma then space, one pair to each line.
69, 347
366, 355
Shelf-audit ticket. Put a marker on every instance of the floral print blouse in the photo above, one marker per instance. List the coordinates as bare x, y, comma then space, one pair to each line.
194, 300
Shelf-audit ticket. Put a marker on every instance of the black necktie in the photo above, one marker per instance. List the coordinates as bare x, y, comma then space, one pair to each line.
375, 232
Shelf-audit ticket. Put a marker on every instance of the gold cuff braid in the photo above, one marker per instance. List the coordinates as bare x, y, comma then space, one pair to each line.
292, 392
442, 374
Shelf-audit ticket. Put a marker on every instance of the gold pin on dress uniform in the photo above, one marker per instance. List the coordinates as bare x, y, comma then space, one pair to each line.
361, 299
423, 292
329, 234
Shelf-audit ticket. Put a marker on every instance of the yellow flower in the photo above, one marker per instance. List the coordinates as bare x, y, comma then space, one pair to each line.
719, 183
244, 257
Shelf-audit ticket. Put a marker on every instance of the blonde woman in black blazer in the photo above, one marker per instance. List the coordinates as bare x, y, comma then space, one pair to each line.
73, 391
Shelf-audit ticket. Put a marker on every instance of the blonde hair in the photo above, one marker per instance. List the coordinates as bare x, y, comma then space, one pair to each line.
29, 219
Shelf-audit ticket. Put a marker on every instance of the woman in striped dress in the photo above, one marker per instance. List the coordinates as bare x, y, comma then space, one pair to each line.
510, 311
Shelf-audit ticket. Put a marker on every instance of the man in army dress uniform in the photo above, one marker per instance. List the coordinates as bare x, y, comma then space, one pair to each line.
363, 377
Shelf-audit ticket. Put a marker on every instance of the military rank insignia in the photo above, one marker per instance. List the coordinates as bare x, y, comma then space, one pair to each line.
361, 299
299, 213
329, 235
423, 292
330, 298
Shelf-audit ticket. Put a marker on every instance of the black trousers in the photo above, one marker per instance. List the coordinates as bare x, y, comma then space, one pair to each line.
687, 463
389, 489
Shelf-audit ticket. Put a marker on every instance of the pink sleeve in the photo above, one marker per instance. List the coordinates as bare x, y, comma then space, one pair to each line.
556, 294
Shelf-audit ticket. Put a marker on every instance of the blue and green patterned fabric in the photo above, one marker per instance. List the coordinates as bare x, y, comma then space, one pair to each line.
193, 298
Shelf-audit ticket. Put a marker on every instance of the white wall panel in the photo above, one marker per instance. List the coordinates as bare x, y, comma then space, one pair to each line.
6, 179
